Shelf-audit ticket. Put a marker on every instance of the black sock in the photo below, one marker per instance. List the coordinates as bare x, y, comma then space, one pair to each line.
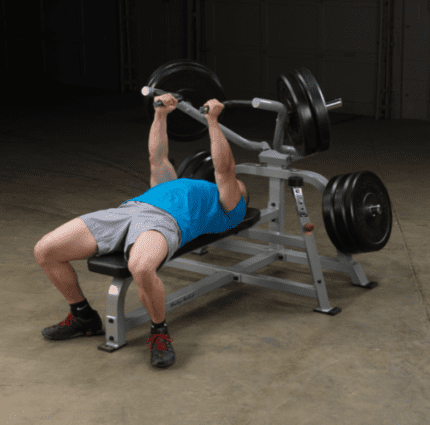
82, 310
158, 325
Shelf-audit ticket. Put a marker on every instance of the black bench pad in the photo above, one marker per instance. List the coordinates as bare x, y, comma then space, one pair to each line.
115, 265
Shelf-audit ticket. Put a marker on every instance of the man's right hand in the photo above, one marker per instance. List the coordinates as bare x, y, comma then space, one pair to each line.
169, 102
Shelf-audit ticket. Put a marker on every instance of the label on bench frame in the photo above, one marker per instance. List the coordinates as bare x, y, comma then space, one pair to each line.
183, 299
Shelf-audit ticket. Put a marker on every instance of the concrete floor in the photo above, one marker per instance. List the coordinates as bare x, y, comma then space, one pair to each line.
245, 355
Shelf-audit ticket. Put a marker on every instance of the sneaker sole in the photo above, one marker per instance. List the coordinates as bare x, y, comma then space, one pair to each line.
77, 335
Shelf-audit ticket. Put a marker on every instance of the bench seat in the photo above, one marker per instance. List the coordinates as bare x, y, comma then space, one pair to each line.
115, 265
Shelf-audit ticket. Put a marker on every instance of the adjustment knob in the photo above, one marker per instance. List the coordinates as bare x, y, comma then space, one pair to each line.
295, 181
309, 227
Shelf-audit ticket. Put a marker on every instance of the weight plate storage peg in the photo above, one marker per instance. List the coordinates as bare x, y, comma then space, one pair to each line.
197, 84
357, 212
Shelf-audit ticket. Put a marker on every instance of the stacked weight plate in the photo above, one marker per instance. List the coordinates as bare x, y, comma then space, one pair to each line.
308, 124
357, 212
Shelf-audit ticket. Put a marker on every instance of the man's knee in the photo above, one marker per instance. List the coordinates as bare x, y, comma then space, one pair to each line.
41, 251
139, 268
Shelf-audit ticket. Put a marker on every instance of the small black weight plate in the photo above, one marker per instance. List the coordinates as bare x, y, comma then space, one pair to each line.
328, 208
206, 171
191, 164
299, 126
182, 167
197, 84
343, 230
318, 107
371, 230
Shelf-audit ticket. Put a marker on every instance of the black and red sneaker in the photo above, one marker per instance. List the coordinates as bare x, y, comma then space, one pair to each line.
162, 353
74, 327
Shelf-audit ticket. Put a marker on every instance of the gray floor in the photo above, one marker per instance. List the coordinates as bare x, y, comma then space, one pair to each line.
246, 355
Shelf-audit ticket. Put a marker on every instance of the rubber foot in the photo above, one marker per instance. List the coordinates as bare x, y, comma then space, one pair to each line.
369, 285
332, 312
109, 348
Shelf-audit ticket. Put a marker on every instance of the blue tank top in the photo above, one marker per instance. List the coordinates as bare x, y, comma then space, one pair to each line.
195, 206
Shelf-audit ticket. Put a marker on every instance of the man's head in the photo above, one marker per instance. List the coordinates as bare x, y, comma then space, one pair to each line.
244, 192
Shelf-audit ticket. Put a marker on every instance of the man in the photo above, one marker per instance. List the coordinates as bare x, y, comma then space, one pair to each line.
149, 229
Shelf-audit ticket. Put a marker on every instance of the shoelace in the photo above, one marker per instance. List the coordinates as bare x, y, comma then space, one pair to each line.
160, 344
67, 321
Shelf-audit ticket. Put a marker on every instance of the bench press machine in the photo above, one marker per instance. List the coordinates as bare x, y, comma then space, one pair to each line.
274, 164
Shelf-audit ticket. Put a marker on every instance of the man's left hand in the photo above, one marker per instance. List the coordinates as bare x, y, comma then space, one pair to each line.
169, 101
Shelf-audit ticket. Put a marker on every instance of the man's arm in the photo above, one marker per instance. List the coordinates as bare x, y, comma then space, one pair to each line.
161, 168
158, 149
224, 164
158, 140
222, 156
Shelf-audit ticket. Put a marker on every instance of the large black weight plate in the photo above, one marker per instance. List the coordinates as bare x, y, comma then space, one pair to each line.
318, 107
330, 222
299, 126
371, 230
197, 84
351, 225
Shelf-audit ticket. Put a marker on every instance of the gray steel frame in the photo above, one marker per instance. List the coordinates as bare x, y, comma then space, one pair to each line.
274, 166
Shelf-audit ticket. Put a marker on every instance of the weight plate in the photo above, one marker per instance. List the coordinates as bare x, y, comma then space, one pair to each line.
328, 208
191, 164
197, 84
357, 212
168, 67
343, 230
206, 171
318, 107
299, 126
182, 167
371, 228
175, 77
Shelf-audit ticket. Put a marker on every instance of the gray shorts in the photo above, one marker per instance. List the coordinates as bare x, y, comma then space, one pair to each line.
116, 229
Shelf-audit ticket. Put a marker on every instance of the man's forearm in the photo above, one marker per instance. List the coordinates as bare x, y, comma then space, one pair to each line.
222, 156
158, 140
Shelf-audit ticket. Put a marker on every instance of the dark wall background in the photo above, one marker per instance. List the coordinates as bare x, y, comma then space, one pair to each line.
100, 44
373, 54
68, 42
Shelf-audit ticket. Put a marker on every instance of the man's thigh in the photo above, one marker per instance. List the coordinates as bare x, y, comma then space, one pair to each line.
70, 242
148, 252
151, 218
